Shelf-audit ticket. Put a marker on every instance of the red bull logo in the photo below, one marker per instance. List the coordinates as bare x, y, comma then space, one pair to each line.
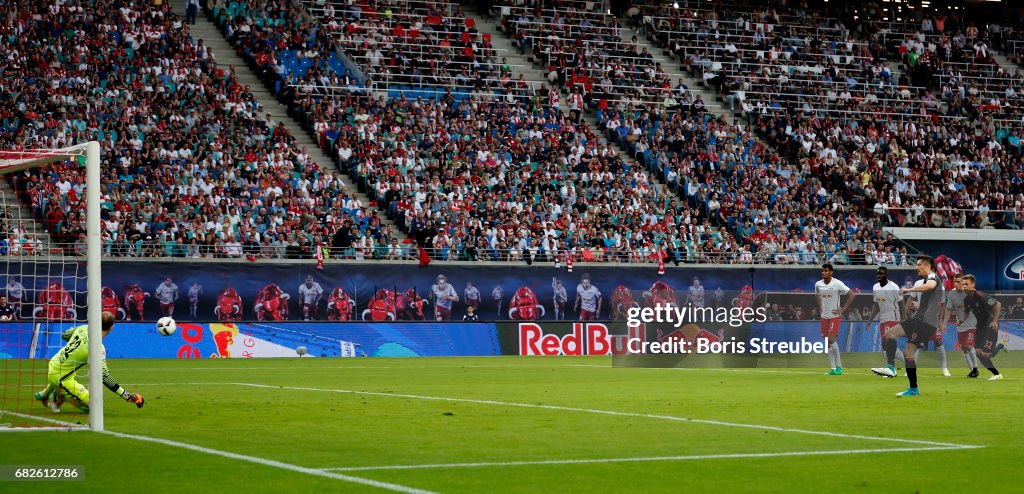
584, 339
223, 336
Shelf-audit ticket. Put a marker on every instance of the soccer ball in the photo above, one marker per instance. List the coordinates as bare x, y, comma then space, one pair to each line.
166, 326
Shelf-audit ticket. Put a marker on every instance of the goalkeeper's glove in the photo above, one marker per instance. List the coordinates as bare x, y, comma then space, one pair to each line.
131, 397
136, 398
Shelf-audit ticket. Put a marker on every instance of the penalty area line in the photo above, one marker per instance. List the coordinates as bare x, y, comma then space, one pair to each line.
639, 459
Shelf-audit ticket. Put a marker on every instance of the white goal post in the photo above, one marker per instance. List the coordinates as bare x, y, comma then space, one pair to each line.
17, 160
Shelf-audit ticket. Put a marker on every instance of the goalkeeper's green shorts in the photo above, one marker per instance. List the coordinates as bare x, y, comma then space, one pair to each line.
69, 387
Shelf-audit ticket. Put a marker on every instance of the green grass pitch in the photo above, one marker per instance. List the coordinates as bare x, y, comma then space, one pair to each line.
518, 424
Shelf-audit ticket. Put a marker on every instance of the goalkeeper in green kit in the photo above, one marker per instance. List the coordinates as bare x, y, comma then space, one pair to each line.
61, 383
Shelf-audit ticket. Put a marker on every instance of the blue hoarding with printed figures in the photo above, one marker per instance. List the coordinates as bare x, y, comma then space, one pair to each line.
271, 291
259, 340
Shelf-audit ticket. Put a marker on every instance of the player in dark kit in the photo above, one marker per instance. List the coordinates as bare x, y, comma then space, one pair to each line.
7, 311
919, 327
986, 310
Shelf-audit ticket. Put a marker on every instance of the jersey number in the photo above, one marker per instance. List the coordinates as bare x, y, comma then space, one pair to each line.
72, 346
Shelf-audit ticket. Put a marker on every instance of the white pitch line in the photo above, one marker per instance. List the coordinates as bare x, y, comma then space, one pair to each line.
235, 456
714, 369
766, 371
314, 367
67, 426
273, 463
605, 412
641, 459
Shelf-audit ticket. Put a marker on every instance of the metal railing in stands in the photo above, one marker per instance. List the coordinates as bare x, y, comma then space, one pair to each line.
379, 85
785, 59
603, 57
564, 27
811, 96
389, 4
753, 17
738, 31
400, 15
409, 252
923, 116
431, 46
523, 4
985, 80
485, 66
383, 79
795, 78
766, 37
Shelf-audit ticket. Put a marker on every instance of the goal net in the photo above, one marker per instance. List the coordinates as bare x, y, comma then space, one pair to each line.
50, 282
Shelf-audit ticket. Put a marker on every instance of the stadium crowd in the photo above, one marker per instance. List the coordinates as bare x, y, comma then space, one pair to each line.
943, 154
428, 183
836, 143
192, 165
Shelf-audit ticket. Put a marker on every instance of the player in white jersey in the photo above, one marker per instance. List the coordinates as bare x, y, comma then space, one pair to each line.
167, 293
828, 292
472, 296
588, 299
887, 301
696, 295
311, 292
966, 322
193, 299
444, 294
15, 295
558, 298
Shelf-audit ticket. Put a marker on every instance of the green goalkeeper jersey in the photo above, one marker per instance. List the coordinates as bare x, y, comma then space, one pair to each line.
75, 354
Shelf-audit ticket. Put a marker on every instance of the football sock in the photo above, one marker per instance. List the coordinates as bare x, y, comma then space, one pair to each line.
889, 345
912, 373
834, 348
987, 362
46, 391
942, 356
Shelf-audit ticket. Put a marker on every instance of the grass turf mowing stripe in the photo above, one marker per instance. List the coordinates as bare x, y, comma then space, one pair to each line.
603, 412
644, 459
235, 456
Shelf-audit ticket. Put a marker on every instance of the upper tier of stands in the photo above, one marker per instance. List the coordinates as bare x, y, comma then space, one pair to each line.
938, 146
192, 166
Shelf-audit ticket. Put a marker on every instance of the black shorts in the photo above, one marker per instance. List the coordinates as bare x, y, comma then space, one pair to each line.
986, 341
918, 332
